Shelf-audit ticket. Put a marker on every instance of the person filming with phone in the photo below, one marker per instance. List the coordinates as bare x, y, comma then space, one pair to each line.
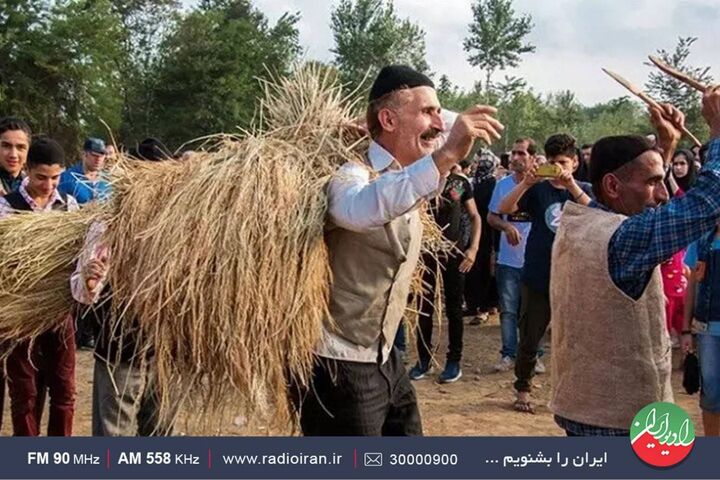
544, 202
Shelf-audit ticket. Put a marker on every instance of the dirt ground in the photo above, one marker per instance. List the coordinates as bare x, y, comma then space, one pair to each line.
479, 404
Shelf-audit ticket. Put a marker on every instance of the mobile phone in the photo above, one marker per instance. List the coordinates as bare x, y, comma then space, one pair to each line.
549, 170
698, 327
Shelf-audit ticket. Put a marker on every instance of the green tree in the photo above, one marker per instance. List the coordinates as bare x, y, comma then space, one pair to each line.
523, 115
507, 90
57, 67
565, 113
21, 24
448, 93
369, 35
619, 116
667, 89
496, 38
207, 79
146, 24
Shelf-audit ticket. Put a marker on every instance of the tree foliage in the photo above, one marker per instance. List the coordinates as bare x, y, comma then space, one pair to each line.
143, 66
368, 35
496, 38
207, 78
57, 67
154, 68
524, 112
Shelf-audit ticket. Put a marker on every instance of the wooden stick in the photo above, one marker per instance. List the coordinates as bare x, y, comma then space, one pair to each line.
648, 100
686, 79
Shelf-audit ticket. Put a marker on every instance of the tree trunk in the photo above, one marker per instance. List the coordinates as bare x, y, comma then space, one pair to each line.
488, 74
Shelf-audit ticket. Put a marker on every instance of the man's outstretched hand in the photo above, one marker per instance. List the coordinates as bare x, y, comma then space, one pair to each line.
478, 122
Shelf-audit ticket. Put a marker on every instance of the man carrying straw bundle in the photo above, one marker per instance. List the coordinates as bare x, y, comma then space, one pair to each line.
612, 356
124, 397
373, 233
124, 400
50, 359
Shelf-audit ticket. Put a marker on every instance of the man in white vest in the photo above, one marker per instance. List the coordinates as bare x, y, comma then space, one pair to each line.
360, 386
611, 354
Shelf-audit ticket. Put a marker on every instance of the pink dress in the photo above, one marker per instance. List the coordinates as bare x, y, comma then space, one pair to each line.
674, 285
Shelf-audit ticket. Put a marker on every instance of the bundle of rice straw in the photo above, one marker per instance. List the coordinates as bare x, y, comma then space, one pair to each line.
433, 244
221, 259
39, 252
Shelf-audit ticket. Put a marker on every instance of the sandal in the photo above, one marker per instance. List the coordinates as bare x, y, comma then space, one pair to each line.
523, 407
479, 319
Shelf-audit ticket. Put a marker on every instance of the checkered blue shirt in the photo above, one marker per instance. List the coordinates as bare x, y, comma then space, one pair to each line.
578, 429
644, 241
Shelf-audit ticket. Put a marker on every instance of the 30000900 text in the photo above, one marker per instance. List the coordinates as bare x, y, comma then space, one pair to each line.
423, 459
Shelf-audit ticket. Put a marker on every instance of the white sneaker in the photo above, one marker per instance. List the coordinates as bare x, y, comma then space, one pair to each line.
505, 365
540, 367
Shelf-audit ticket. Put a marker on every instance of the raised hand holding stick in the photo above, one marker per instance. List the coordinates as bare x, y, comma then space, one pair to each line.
648, 100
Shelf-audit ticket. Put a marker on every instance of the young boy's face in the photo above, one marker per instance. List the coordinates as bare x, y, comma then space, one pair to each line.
44, 179
567, 163
14, 145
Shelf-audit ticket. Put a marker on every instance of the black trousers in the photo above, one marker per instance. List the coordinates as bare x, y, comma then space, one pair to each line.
534, 320
358, 399
86, 319
480, 286
453, 282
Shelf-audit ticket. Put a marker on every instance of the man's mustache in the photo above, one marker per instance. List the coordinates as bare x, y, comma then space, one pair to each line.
431, 134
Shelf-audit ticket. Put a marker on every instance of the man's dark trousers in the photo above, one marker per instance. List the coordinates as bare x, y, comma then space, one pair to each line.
453, 287
534, 321
359, 399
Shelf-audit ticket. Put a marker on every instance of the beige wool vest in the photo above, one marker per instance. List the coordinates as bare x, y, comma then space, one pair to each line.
372, 272
611, 355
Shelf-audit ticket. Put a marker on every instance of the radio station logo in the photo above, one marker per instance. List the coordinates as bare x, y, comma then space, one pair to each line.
662, 434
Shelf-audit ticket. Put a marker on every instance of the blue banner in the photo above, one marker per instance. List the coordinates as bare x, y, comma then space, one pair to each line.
305, 458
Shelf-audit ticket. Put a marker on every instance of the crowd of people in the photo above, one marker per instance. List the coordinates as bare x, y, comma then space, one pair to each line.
528, 227
34, 179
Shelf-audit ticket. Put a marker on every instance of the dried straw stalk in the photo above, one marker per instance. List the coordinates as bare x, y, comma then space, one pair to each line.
39, 252
314, 94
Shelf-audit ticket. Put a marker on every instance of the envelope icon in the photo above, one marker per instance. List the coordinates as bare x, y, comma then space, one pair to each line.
373, 459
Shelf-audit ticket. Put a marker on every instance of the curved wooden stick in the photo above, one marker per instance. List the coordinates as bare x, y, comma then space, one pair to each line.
648, 100
686, 79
